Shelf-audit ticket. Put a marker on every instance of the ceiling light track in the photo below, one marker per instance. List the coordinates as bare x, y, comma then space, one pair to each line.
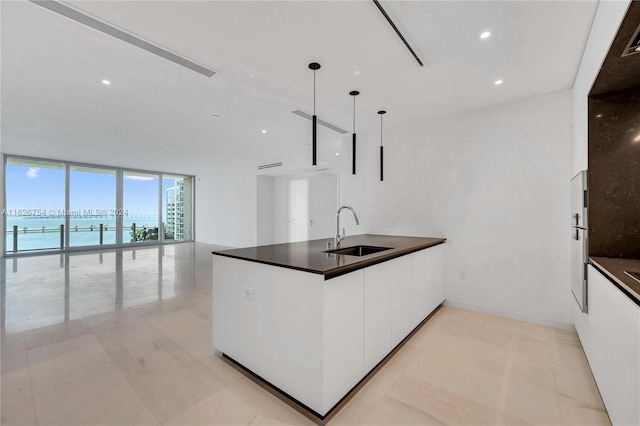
404, 40
114, 32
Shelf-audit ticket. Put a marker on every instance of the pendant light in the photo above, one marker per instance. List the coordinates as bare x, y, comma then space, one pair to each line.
314, 66
354, 93
381, 148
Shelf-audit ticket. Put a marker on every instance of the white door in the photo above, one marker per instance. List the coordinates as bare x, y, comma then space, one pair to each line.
323, 200
298, 210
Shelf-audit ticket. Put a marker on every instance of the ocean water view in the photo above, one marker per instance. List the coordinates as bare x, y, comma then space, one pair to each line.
83, 230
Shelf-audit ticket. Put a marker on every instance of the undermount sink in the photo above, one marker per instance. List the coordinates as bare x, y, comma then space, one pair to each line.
358, 250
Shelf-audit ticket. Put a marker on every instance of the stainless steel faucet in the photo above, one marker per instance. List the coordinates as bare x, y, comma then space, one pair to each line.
338, 237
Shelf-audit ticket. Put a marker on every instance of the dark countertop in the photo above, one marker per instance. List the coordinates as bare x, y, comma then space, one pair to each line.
309, 256
613, 268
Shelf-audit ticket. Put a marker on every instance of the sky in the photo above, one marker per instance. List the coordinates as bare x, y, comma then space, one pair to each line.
43, 189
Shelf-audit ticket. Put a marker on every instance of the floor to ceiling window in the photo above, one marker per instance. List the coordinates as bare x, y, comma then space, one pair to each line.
140, 207
57, 205
176, 207
35, 204
92, 205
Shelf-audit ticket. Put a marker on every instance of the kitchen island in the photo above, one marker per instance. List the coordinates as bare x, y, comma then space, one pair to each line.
312, 323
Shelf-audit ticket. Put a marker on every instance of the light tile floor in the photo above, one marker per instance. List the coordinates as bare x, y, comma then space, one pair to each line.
124, 338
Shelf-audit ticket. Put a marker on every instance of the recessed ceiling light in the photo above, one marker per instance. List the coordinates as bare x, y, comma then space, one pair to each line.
264, 131
485, 34
337, 153
215, 116
498, 82
106, 82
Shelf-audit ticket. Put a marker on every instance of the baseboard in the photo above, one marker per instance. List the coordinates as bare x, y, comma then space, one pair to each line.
562, 325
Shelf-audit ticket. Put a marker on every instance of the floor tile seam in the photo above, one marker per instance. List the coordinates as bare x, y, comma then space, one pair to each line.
33, 399
174, 345
33, 363
506, 379
473, 402
2, 352
151, 324
126, 375
77, 321
505, 383
168, 420
32, 404
23, 399
256, 406
5, 372
83, 377
582, 403
416, 408
144, 405
177, 345
128, 378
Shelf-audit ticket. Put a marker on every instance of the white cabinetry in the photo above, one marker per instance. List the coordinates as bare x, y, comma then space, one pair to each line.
379, 280
315, 339
610, 335
399, 295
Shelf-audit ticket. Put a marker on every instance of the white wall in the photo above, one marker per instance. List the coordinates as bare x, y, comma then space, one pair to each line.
226, 205
321, 204
495, 183
605, 26
603, 30
264, 210
280, 220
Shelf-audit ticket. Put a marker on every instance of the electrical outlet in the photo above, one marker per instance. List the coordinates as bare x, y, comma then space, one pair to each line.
249, 293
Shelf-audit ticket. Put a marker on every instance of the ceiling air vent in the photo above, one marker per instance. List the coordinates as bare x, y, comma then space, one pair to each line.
111, 30
634, 44
320, 122
268, 166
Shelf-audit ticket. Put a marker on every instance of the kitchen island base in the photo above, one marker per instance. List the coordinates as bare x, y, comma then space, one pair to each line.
305, 410
316, 339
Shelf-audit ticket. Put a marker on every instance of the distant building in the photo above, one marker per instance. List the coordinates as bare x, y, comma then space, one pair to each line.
174, 213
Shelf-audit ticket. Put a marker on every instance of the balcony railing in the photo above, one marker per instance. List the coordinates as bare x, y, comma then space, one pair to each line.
137, 233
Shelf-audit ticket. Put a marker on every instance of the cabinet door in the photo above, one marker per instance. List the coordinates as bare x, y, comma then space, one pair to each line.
403, 294
377, 312
398, 295
614, 340
418, 292
343, 336
427, 277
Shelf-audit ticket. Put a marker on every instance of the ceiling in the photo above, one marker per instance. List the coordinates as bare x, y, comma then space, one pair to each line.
157, 115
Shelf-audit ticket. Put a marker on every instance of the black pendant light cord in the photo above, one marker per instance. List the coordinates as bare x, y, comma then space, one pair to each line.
314, 126
381, 127
354, 93
381, 147
354, 113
